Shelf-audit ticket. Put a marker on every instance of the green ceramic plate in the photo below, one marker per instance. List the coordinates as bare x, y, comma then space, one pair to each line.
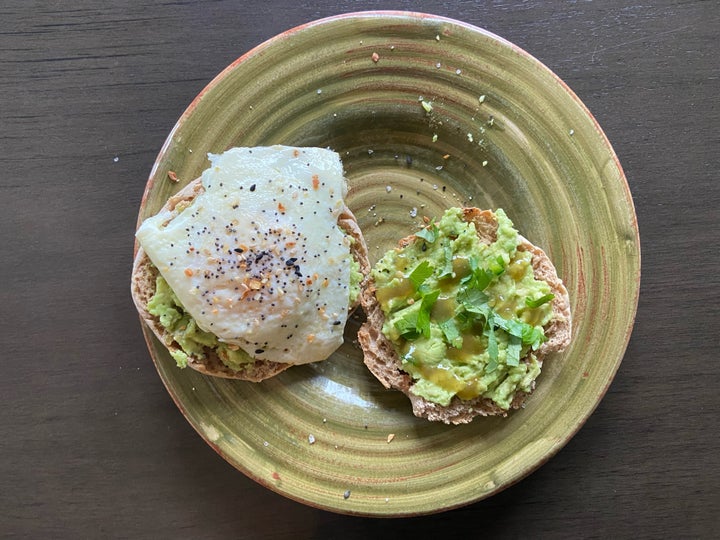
356, 83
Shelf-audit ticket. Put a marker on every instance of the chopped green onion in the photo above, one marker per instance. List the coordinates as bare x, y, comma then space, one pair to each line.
465, 319
480, 278
421, 272
497, 266
534, 336
514, 327
529, 334
474, 301
407, 326
492, 347
514, 347
539, 301
428, 234
451, 333
423, 316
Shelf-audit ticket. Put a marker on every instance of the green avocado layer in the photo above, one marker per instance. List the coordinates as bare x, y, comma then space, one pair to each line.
356, 278
182, 327
464, 317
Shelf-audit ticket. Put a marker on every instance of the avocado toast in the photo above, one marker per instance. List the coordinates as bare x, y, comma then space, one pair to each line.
461, 316
253, 267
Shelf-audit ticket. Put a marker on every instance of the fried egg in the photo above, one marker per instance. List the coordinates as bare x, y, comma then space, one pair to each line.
258, 258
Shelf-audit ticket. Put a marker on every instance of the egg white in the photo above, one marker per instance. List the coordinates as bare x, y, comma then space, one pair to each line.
258, 259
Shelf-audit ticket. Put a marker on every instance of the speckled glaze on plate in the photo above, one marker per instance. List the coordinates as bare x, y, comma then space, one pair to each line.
328, 434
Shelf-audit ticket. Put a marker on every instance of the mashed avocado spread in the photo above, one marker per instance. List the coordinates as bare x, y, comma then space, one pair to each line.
464, 316
355, 278
192, 340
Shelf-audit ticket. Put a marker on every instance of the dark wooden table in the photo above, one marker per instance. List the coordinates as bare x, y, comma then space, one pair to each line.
91, 444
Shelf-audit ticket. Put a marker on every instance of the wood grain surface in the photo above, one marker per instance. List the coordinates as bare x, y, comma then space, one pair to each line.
91, 444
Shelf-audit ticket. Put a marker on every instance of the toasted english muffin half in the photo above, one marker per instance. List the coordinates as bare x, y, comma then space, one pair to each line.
382, 358
144, 284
